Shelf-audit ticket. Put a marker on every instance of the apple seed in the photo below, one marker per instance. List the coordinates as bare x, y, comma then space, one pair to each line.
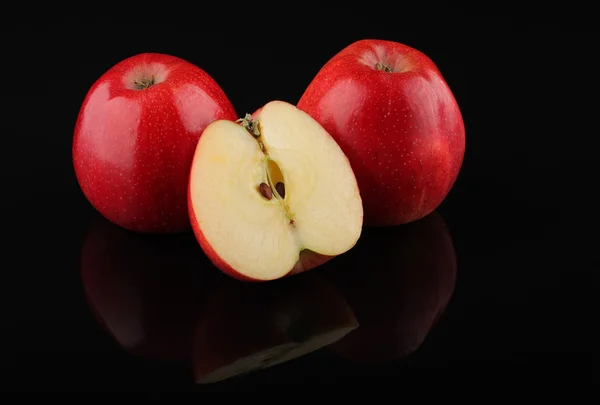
280, 188
266, 191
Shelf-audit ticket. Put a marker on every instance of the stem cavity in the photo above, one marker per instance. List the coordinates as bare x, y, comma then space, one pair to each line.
144, 83
381, 66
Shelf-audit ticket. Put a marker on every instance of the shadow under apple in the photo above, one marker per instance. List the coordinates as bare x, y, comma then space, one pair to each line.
248, 327
398, 281
145, 290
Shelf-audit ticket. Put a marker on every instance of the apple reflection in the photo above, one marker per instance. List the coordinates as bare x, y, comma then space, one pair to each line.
159, 297
398, 282
145, 290
249, 327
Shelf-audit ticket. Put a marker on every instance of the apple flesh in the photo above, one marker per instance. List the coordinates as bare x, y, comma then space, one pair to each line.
135, 136
393, 114
272, 195
398, 281
249, 327
146, 291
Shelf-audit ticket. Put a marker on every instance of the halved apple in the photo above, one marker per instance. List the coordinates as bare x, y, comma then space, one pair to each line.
269, 187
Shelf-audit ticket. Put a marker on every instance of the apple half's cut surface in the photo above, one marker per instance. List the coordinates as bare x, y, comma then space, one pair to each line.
266, 188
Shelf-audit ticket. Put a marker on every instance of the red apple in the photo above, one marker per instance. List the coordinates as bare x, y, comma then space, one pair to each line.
135, 137
248, 327
272, 195
395, 117
145, 290
398, 281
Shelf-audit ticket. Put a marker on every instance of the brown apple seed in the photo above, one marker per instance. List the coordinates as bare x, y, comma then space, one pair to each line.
280, 187
266, 191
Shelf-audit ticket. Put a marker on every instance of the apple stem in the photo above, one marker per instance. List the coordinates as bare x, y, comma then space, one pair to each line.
381, 66
252, 127
144, 83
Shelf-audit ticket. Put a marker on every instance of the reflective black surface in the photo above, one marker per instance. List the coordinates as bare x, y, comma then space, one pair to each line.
159, 298
496, 285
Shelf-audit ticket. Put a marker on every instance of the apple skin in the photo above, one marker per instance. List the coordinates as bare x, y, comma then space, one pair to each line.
308, 260
132, 149
402, 131
398, 281
146, 291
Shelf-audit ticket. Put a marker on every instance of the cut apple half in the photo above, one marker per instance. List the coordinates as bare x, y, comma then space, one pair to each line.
268, 187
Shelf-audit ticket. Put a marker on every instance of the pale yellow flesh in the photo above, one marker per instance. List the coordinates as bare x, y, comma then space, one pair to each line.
252, 234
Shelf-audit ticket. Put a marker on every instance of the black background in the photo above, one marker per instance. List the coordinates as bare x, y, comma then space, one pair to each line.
520, 212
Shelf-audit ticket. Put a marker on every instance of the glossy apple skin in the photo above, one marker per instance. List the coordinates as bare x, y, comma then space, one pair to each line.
132, 149
308, 260
398, 281
402, 131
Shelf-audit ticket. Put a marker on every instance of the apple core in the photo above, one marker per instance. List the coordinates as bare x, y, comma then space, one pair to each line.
273, 174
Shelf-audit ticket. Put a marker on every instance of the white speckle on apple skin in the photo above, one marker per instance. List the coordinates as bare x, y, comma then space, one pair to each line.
132, 148
407, 123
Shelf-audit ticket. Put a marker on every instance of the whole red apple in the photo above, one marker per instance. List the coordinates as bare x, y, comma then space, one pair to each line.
393, 114
398, 281
136, 134
145, 290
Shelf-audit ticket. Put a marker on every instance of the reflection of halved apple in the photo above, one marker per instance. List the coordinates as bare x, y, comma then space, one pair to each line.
248, 327
144, 289
398, 281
